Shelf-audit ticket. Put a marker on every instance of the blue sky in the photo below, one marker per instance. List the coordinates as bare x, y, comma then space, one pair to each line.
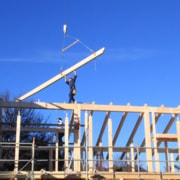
140, 65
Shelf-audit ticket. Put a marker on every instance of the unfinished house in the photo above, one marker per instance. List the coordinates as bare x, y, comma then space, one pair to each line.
99, 141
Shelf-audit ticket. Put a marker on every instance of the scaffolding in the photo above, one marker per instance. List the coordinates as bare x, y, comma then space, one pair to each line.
113, 153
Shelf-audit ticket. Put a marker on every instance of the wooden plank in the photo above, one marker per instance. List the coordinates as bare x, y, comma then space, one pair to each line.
110, 150
64, 73
88, 107
166, 137
178, 135
155, 143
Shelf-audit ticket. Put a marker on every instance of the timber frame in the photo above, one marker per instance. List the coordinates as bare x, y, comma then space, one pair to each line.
153, 147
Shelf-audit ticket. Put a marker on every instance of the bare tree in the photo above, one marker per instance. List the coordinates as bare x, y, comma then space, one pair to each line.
30, 118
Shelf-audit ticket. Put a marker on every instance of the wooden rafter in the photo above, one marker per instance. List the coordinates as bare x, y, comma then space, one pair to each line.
133, 132
119, 128
103, 128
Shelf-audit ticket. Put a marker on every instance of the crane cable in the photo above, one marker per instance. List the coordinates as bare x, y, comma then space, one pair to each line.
65, 28
73, 43
76, 40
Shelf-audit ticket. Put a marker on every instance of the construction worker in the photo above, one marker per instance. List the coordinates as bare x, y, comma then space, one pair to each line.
60, 134
71, 84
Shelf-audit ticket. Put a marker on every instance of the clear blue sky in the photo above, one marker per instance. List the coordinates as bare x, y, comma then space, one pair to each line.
141, 64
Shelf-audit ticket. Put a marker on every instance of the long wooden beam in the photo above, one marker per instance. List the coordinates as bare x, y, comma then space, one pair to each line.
89, 107
166, 137
61, 75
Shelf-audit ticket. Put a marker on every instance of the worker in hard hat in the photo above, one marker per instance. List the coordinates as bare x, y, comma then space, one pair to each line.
71, 84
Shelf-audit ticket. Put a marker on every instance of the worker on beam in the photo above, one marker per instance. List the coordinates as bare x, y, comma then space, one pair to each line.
71, 84
62, 74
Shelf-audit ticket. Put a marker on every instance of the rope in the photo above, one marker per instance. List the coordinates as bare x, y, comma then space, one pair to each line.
65, 28
77, 40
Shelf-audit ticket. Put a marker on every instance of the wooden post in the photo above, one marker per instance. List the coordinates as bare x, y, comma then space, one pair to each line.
87, 143
178, 135
148, 141
57, 153
64, 73
132, 158
33, 156
110, 149
51, 155
66, 153
155, 143
172, 163
166, 155
18, 124
91, 162
77, 149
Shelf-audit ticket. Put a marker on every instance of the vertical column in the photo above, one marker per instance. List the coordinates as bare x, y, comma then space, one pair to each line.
155, 143
87, 143
132, 158
110, 144
172, 163
90, 144
18, 124
77, 149
51, 155
166, 155
33, 156
128, 160
148, 141
66, 157
100, 157
178, 137
57, 153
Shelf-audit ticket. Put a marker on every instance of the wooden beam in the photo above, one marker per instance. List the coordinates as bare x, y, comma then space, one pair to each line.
18, 132
110, 150
166, 137
87, 107
77, 133
91, 158
64, 73
178, 134
148, 145
66, 147
155, 143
